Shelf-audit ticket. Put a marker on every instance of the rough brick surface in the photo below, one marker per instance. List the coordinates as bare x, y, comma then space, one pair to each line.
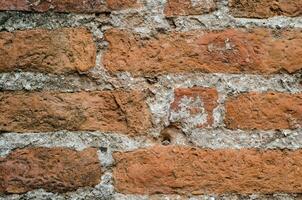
264, 111
257, 51
189, 7
122, 4
53, 169
76, 6
187, 170
265, 8
54, 5
194, 106
124, 112
55, 51
216, 83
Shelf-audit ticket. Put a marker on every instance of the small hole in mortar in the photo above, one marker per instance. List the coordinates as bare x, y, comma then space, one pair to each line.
103, 149
166, 139
170, 134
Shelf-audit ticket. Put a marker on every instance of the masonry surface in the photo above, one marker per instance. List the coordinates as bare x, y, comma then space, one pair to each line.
150, 99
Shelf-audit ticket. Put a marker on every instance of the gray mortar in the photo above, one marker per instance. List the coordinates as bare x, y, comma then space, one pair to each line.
38, 81
227, 83
76, 140
146, 21
223, 138
101, 192
111, 142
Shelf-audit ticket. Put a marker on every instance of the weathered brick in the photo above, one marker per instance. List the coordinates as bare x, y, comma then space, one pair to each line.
75, 6
122, 4
55, 51
265, 8
194, 106
186, 170
264, 111
52, 169
117, 111
256, 51
189, 7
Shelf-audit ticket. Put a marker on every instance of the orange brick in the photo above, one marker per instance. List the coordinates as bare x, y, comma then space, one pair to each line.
185, 170
52, 169
124, 112
265, 8
68, 6
122, 4
264, 111
48, 51
255, 51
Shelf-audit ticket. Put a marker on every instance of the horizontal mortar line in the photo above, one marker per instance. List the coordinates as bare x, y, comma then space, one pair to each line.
231, 82
238, 139
215, 24
226, 15
213, 139
287, 22
211, 22
249, 81
70, 139
82, 192
121, 196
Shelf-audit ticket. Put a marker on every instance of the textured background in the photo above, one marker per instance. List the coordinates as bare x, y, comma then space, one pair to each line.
150, 99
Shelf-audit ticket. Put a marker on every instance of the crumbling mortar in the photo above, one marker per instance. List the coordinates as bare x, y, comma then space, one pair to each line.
146, 21
99, 194
107, 143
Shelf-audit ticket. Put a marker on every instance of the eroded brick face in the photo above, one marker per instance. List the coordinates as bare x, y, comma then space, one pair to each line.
52, 169
58, 51
75, 6
194, 106
150, 99
264, 111
122, 4
171, 170
265, 8
255, 51
124, 112
189, 7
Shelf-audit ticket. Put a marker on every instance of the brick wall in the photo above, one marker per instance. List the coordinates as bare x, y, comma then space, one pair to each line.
150, 99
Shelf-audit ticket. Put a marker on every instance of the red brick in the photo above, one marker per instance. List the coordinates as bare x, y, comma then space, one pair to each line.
52, 169
55, 51
189, 7
122, 4
264, 111
254, 51
194, 105
185, 170
75, 6
124, 112
265, 8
